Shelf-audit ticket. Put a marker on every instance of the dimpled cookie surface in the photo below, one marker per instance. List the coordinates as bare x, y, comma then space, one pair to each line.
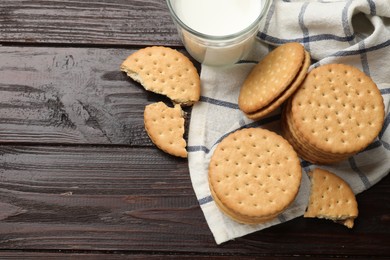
254, 174
164, 71
270, 77
338, 109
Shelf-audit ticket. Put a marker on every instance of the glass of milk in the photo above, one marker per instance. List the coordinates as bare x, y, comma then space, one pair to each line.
218, 32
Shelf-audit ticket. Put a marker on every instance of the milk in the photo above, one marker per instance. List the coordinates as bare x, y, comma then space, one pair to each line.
217, 17
217, 32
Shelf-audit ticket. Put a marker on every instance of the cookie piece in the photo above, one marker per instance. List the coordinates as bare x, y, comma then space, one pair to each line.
164, 71
337, 112
270, 77
165, 127
254, 175
285, 94
331, 198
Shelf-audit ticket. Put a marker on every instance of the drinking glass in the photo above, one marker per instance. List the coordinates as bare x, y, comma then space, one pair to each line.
218, 50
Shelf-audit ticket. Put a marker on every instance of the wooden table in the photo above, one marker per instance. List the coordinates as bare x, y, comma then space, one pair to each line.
78, 175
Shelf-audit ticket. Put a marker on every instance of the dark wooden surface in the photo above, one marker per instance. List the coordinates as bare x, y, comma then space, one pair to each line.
79, 178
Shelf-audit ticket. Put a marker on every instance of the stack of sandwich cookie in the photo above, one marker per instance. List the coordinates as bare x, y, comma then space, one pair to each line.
273, 80
254, 175
337, 112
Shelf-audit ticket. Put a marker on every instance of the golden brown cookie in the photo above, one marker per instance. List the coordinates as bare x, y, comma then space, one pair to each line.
165, 127
254, 175
164, 71
341, 105
271, 77
331, 198
285, 94
337, 112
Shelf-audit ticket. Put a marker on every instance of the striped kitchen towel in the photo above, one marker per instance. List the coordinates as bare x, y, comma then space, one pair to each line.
355, 32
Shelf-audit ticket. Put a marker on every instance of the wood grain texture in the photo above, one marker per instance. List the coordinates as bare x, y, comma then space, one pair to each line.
96, 198
71, 95
114, 256
140, 199
100, 22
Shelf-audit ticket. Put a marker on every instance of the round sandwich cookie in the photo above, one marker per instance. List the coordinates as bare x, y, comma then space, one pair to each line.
273, 80
278, 101
254, 175
164, 71
337, 112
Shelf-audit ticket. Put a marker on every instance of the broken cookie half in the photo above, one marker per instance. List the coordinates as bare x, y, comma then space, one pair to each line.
165, 127
331, 198
164, 71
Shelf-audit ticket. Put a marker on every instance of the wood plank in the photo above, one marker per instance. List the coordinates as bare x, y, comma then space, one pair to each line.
99, 22
96, 198
119, 199
70, 95
25, 255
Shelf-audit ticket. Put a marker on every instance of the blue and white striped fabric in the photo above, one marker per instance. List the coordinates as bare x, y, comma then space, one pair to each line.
355, 32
